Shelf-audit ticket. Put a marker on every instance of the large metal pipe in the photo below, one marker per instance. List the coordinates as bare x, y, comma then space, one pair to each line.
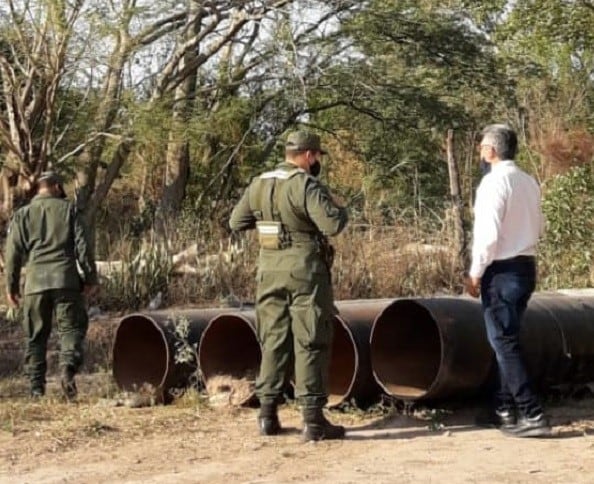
350, 374
558, 339
229, 347
430, 348
437, 347
147, 349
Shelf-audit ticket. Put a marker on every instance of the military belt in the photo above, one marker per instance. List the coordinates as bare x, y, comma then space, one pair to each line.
302, 237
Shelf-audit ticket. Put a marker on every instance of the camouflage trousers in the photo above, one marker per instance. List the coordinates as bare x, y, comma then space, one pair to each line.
39, 309
294, 324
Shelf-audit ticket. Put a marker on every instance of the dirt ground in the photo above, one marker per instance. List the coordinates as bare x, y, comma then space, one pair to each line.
190, 441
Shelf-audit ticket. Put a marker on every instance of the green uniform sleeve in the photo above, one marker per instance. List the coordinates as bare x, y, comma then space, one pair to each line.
14, 254
242, 217
84, 256
328, 217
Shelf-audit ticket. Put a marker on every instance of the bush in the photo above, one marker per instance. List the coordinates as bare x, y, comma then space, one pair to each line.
566, 250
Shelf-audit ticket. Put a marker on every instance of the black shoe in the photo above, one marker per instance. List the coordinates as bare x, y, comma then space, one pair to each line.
537, 426
500, 418
269, 425
69, 385
37, 392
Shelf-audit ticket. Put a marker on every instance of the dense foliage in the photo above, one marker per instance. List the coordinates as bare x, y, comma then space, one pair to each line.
163, 111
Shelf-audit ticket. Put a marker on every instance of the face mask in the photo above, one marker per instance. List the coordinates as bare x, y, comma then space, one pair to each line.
315, 169
485, 167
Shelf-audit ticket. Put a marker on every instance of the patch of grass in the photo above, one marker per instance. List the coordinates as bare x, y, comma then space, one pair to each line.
192, 399
434, 416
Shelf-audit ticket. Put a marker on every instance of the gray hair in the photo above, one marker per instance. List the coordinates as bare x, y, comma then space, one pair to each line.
502, 138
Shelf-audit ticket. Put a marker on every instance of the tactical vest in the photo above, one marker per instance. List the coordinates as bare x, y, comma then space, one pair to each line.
278, 226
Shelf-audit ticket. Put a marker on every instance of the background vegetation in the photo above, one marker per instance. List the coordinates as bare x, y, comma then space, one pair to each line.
159, 113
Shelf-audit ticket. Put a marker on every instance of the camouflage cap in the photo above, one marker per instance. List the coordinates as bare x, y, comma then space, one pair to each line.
303, 141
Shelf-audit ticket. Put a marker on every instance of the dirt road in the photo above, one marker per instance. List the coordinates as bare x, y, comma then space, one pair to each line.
191, 442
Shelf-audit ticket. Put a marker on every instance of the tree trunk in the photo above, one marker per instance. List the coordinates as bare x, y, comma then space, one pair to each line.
455, 212
177, 169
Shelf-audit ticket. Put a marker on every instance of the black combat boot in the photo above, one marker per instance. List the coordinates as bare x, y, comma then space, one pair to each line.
37, 390
268, 422
68, 384
316, 427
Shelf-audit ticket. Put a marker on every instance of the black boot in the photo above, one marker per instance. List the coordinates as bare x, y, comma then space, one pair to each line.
316, 427
37, 390
68, 384
268, 422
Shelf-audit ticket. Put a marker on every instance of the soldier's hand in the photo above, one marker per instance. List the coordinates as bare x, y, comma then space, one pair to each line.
13, 299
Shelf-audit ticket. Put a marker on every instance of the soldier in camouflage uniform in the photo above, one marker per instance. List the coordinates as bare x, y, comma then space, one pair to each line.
50, 239
294, 213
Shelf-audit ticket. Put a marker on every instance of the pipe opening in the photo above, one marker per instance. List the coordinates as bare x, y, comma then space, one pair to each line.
229, 347
140, 353
405, 349
343, 363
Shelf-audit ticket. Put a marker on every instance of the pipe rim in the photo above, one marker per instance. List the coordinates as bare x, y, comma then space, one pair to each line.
247, 320
160, 330
341, 398
428, 389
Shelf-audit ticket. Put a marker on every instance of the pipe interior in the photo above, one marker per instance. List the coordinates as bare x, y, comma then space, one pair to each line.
229, 347
140, 353
405, 349
343, 364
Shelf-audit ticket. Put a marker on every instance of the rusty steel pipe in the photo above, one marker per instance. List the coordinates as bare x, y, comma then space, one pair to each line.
557, 338
145, 346
229, 347
350, 373
430, 348
437, 347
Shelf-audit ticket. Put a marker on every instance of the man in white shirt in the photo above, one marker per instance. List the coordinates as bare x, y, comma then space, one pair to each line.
508, 223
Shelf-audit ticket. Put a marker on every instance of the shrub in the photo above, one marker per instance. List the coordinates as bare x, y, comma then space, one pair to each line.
566, 249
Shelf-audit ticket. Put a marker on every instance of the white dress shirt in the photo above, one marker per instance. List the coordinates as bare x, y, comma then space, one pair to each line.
508, 219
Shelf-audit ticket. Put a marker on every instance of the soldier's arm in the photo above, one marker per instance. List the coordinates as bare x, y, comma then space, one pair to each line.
242, 217
84, 255
14, 254
323, 209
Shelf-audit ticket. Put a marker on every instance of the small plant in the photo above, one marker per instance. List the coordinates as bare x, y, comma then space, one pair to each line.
191, 398
185, 352
434, 416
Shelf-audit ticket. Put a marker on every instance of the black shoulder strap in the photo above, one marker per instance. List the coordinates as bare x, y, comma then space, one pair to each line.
269, 207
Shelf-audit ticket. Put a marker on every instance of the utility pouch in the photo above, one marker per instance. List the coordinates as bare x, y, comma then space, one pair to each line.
270, 234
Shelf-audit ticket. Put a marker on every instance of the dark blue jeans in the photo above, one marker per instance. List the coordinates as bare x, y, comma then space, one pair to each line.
506, 288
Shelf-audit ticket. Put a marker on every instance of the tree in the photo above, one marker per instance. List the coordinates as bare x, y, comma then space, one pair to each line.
34, 59
413, 71
545, 49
